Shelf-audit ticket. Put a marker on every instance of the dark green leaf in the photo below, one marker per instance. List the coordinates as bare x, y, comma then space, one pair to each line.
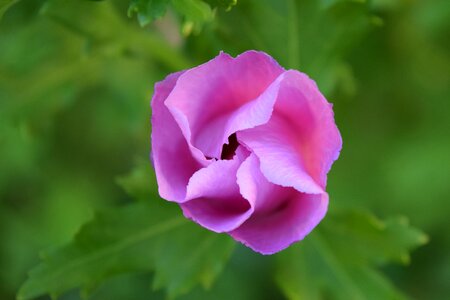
306, 35
139, 183
147, 10
5, 4
330, 3
339, 260
139, 237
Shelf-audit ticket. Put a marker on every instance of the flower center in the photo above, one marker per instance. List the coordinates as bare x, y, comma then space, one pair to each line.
229, 150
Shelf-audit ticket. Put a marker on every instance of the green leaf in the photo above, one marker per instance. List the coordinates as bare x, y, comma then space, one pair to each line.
306, 35
140, 183
147, 10
195, 12
5, 5
86, 20
330, 3
225, 4
150, 235
339, 260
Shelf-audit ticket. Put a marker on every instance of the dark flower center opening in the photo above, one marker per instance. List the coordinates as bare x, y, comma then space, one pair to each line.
229, 150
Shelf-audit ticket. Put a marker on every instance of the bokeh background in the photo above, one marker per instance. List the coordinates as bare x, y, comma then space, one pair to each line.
76, 78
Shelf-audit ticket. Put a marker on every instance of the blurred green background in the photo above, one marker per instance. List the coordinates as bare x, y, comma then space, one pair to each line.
76, 79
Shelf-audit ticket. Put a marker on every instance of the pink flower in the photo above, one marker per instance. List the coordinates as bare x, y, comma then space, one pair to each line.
244, 147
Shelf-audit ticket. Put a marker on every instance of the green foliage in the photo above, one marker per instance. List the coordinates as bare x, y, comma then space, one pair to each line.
339, 260
116, 38
76, 78
143, 236
136, 183
195, 13
147, 10
314, 37
5, 4
226, 4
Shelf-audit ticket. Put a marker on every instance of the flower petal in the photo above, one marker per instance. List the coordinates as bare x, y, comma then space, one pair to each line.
172, 156
220, 97
281, 215
213, 198
300, 142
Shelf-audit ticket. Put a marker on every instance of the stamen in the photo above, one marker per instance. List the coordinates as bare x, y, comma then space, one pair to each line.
229, 150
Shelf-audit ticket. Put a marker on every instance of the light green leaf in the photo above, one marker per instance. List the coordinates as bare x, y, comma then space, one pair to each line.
339, 260
226, 4
151, 235
195, 12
